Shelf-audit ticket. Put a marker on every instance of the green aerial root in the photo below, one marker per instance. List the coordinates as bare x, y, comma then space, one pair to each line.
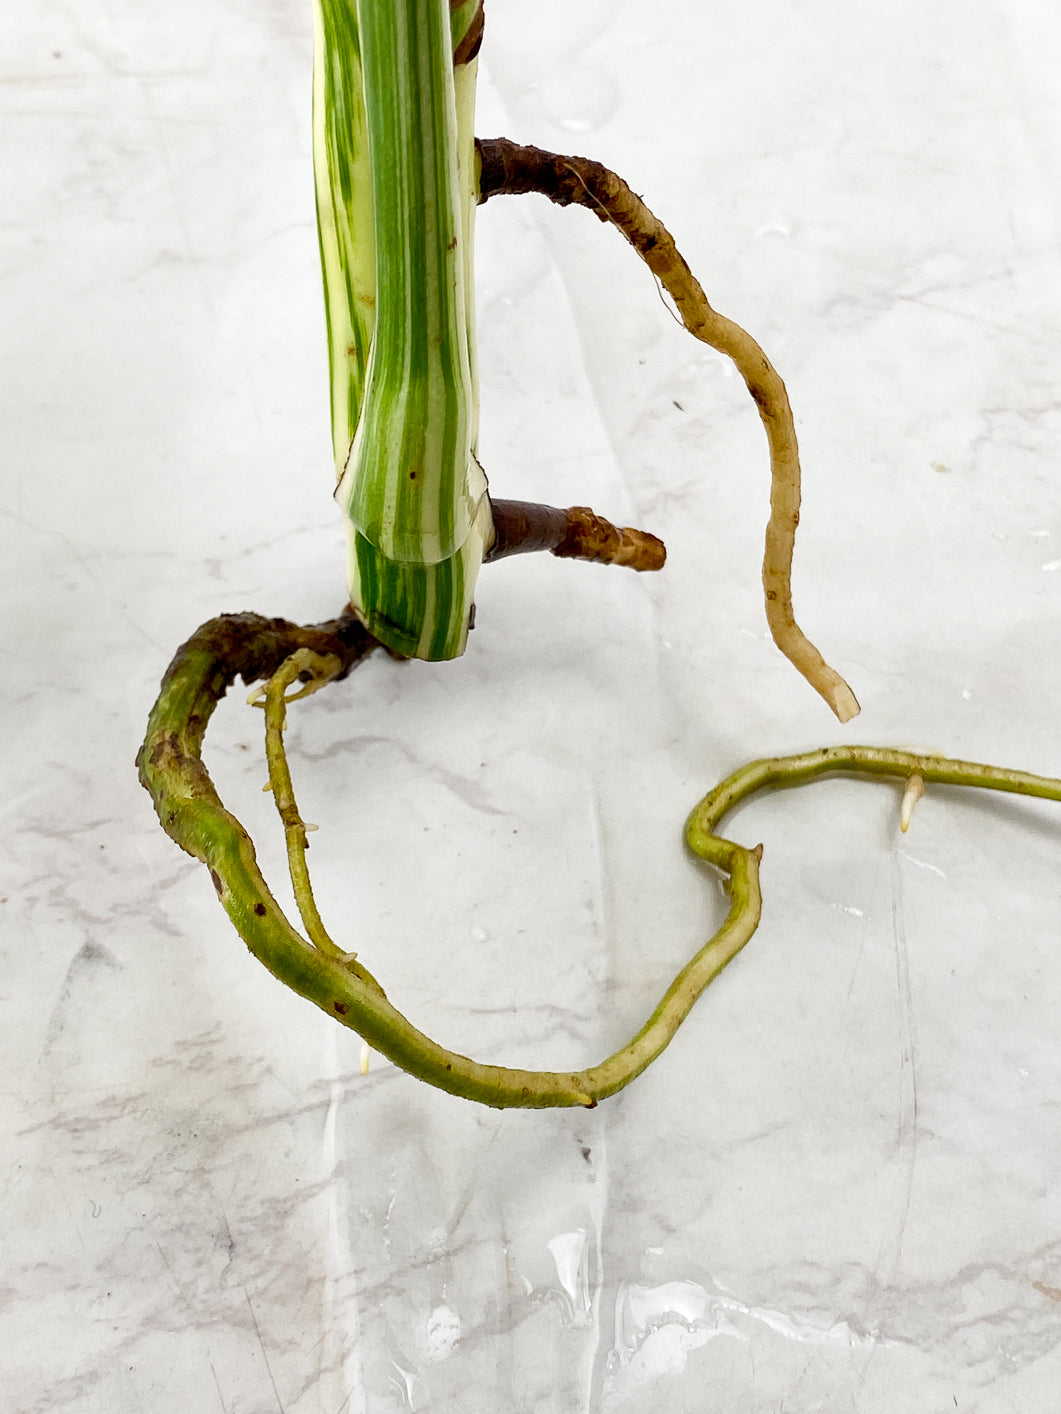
191, 812
314, 671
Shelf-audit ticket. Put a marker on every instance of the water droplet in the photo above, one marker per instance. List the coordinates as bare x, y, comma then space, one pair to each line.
569, 1251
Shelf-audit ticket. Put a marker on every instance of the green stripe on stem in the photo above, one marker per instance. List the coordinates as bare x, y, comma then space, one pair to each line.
397, 188
411, 485
344, 212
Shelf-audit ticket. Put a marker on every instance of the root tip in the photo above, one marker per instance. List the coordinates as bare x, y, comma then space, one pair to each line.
915, 789
844, 702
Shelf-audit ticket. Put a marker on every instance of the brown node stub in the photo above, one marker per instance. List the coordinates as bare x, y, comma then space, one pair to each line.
589, 536
578, 533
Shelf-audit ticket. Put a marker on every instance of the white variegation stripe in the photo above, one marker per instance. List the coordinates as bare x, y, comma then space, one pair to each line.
344, 224
407, 145
464, 80
411, 486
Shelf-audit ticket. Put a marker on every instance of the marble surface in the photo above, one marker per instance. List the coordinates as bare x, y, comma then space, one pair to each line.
839, 1189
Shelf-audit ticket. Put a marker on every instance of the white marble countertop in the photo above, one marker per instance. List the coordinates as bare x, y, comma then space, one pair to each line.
840, 1189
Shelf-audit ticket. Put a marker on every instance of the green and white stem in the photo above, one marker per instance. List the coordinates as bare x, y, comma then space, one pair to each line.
396, 194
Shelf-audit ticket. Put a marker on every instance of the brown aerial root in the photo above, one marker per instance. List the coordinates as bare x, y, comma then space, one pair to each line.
575, 534
507, 168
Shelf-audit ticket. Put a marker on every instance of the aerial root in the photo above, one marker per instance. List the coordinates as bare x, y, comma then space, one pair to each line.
521, 527
314, 671
507, 168
914, 790
192, 813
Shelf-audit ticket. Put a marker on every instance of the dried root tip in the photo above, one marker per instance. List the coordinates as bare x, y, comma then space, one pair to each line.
829, 685
588, 536
843, 701
366, 1054
915, 789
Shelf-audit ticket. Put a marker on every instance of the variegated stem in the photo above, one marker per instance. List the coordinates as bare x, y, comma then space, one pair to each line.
344, 194
402, 151
344, 212
406, 485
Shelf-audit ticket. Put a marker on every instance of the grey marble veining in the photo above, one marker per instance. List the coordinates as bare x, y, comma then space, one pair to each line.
838, 1190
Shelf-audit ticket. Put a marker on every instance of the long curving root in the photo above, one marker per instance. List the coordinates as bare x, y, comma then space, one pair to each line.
191, 812
507, 168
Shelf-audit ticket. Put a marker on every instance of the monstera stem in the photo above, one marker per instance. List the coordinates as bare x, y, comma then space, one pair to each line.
394, 152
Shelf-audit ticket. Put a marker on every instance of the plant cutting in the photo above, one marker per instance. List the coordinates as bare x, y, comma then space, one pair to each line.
399, 176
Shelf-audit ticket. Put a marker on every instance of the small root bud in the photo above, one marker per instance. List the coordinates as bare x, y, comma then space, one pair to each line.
915, 789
